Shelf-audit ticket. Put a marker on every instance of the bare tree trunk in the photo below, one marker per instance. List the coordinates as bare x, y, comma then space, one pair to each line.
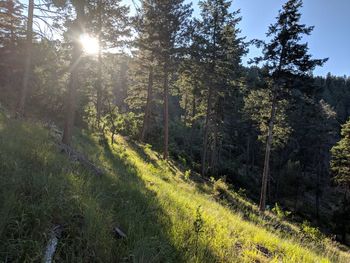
186, 109
112, 136
265, 177
99, 62
166, 112
73, 82
247, 157
28, 60
319, 171
194, 108
297, 189
146, 117
206, 132
317, 204
214, 148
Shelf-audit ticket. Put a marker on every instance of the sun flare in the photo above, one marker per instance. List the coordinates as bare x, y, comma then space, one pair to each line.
90, 44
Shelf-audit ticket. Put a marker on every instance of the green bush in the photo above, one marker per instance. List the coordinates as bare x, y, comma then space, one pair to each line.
220, 187
311, 232
187, 174
279, 212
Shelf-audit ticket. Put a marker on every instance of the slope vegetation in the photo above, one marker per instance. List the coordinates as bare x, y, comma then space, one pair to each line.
166, 215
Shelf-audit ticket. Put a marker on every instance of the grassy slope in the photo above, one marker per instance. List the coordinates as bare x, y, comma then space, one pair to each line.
149, 199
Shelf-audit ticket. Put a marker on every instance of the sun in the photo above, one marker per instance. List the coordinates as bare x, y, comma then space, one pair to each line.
90, 44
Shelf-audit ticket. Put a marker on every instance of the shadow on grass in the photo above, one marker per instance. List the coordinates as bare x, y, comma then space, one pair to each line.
138, 211
41, 188
143, 154
133, 208
141, 151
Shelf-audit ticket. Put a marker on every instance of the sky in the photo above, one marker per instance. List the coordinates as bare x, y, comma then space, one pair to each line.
330, 38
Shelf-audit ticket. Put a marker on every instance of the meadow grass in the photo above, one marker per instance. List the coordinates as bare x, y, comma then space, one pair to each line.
166, 216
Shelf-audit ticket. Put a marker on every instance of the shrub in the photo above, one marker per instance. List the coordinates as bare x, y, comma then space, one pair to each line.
279, 212
220, 187
187, 174
311, 232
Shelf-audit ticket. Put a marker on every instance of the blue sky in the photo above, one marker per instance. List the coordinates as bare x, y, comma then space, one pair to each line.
331, 37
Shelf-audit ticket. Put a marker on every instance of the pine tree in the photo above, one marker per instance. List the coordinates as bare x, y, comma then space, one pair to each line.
286, 59
76, 32
340, 163
107, 19
12, 33
11, 25
28, 60
222, 50
147, 44
165, 24
340, 168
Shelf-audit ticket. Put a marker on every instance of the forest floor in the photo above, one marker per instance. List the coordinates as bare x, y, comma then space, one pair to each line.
168, 215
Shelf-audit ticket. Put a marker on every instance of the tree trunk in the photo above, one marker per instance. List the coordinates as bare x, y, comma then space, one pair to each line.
319, 172
265, 177
297, 186
112, 136
194, 108
344, 221
206, 131
186, 109
99, 62
247, 157
73, 82
146, 117
214, 147
28, 60
166, 112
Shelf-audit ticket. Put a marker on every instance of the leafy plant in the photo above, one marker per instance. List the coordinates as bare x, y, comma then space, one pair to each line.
279, 211
187, 174
220, 187
311, 232
198, 227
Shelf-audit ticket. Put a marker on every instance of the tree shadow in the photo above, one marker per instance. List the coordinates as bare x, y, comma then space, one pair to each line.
140, 150
137, 210
133, 208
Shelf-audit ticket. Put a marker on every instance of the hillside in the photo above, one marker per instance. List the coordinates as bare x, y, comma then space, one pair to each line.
166, 214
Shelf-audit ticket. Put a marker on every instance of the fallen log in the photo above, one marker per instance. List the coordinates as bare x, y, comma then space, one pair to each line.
55, 234
118, 233
75, 156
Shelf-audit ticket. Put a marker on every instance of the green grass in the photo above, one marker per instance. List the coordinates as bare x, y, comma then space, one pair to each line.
152, 201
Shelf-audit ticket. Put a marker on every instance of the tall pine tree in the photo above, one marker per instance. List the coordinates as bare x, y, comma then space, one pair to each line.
287, 60
221, 52
167, 22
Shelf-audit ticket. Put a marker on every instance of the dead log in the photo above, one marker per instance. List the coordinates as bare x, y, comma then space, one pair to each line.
76, 156
73, 155
118, 233
55, 234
